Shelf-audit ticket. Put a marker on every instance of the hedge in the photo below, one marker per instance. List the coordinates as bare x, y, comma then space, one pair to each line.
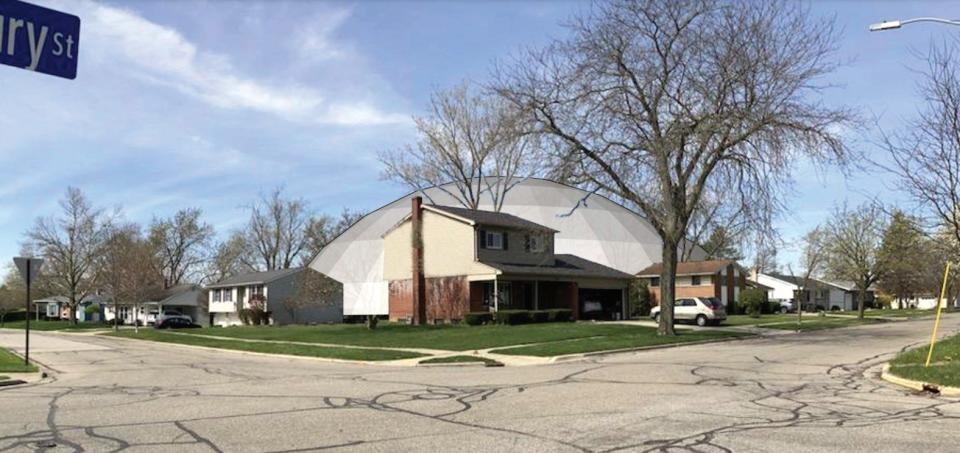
478, 318
515, 317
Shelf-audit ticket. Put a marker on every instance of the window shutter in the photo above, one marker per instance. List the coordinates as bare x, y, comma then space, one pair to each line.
505, 236
482, 239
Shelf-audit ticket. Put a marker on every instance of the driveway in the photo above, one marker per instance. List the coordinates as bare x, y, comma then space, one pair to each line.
816, 391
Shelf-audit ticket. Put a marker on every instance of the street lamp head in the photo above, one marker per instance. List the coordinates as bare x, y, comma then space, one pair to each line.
886, 25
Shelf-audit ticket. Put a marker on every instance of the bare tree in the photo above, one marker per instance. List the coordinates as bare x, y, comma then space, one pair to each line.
659, 102
325, 228
70, 244
127, 271
276, 233
182, 244
854, 238
230, 257
925, 155
472, 140
813, 256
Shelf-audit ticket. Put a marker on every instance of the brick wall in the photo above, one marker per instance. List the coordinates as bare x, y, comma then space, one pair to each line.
447, 298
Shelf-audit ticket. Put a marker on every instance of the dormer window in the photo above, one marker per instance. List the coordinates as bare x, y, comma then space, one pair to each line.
494, 240
536, 243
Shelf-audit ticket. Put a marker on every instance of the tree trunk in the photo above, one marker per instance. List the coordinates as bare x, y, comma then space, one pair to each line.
861, 305
668, 284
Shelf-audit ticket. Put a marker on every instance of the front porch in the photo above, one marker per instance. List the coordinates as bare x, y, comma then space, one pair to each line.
597, 301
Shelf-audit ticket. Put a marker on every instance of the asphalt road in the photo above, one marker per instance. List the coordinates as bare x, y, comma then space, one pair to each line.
817, 391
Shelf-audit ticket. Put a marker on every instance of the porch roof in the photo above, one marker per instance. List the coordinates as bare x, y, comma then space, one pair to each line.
564, 265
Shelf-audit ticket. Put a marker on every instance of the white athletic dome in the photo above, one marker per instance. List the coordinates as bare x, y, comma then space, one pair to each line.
598, 230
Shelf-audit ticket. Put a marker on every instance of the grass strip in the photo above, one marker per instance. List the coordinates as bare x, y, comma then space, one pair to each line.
49, 326
944, 368
821, 323
270, 348
441, 337
637, 339
459, 359
12, 363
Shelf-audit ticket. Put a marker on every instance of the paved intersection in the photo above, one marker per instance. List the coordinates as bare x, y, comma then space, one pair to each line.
817, 391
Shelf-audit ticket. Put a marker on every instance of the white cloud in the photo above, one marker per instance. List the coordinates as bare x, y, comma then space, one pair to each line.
161, 55
315, 39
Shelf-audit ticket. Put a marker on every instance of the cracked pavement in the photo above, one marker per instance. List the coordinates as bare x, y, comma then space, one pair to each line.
817, 391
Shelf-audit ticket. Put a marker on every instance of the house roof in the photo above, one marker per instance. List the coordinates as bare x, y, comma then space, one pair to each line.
64, 299
685, 268
255, 278
758, 285
488, 218
844, 285
183, 295
563, 266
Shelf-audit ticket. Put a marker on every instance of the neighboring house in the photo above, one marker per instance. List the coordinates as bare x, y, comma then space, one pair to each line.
826, 295
779, 288
475, 261
58, 307
186, 299
588, 225
722, 279
275, 288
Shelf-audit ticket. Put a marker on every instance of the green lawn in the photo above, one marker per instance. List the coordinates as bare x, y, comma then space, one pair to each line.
12, 363
944, 367
744, 320
269, 348
460, 359
637, 337
444, 337
820, 323
55, 325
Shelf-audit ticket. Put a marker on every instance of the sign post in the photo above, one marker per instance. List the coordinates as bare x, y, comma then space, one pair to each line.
39, 39
28, 268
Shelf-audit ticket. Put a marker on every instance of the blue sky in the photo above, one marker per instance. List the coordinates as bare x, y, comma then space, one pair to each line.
208, 104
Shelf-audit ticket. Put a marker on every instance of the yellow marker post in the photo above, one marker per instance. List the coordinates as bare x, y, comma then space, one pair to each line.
936, 324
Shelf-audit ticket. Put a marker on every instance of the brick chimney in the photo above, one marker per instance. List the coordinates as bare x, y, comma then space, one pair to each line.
419, 298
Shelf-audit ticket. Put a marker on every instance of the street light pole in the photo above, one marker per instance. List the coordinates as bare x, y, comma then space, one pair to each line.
895, 24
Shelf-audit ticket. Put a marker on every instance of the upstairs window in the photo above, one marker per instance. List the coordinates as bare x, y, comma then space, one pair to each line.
227, 295
494, 240
216, 295
695, 280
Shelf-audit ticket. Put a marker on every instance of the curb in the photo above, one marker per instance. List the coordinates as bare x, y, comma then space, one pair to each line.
584, 355
919, 386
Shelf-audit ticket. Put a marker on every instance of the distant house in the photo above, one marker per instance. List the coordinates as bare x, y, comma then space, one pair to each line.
58, 308
476, 260
274, 288
187, 299
821, 294
722, 279
778, 287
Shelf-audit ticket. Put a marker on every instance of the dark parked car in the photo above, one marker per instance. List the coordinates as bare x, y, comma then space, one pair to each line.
176, 323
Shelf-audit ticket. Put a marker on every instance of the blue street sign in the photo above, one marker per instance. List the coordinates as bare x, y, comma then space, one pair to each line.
39, 39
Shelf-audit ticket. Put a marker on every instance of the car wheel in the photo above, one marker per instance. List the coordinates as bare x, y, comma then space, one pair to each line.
701, 320
784, 310
656, 318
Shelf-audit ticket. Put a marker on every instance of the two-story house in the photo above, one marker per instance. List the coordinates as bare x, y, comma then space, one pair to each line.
473, 260
272, 291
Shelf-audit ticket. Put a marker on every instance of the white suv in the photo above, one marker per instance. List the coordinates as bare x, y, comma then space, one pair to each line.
701, 310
